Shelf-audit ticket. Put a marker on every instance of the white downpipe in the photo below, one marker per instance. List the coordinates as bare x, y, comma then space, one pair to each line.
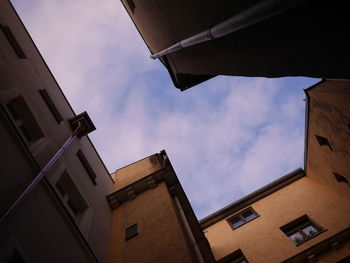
188, 230
259, 12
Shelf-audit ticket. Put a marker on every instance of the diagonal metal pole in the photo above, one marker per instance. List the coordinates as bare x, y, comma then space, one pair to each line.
12, 209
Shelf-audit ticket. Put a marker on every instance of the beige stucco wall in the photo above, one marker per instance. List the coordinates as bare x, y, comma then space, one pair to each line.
262, 238
136, 171
329, 116
160, 237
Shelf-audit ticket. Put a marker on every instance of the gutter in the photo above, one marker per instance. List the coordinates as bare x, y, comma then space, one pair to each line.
253, 15
307, 116
188, 230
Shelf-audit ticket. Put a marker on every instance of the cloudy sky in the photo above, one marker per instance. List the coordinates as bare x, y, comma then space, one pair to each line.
225, 138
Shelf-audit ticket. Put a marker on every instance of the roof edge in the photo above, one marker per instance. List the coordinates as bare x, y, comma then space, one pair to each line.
252, 197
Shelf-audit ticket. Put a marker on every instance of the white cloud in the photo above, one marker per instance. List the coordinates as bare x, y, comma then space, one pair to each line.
225, 138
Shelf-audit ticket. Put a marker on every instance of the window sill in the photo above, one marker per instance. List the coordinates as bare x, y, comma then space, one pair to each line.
307, 239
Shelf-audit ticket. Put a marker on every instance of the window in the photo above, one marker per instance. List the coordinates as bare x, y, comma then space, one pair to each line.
131, 232
13, 42
23, 119
301, 230
235, 257
70, 196
87, 167
131, 5
341, 179
52, 107
323, 141
242, 218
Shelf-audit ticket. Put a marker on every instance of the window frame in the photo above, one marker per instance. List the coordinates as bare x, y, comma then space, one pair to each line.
51, 105
298, 226
13, 41
71, 196
323, 141
87, 166
134, 233
242, 218
26, 124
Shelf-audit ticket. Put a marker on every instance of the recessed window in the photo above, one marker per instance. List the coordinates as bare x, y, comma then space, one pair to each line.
71, 196
323, 141
52, 107
131, 5
242, 218
235, 257
87, 166
13, 42
301, 230
341, 179
131, 232
23, 119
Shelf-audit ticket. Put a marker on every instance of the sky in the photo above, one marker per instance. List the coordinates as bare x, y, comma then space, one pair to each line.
225, 138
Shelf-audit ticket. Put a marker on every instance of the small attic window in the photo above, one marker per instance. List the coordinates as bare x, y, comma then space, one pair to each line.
13, 41
51, 105
87, 167
131, 5
131, 232
341, 179
323, 141
242, 217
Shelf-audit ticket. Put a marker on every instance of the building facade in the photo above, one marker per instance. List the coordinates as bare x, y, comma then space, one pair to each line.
197, 40
153, 220
58, 202
60, 219
294, 219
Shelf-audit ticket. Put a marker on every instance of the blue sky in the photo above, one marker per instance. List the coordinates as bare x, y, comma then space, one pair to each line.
225, 138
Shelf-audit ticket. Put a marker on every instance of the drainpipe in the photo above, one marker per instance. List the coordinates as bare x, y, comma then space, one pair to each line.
257, 13
82, 125
189, 231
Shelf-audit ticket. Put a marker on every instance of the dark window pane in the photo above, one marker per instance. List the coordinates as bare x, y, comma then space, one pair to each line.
12, 111
248, 215
60, 189
72, 206
131, 5
24, 119
51, 105
87, 166
25, 133
236, 221
323, 141
340, 178
13, 41
131, 232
